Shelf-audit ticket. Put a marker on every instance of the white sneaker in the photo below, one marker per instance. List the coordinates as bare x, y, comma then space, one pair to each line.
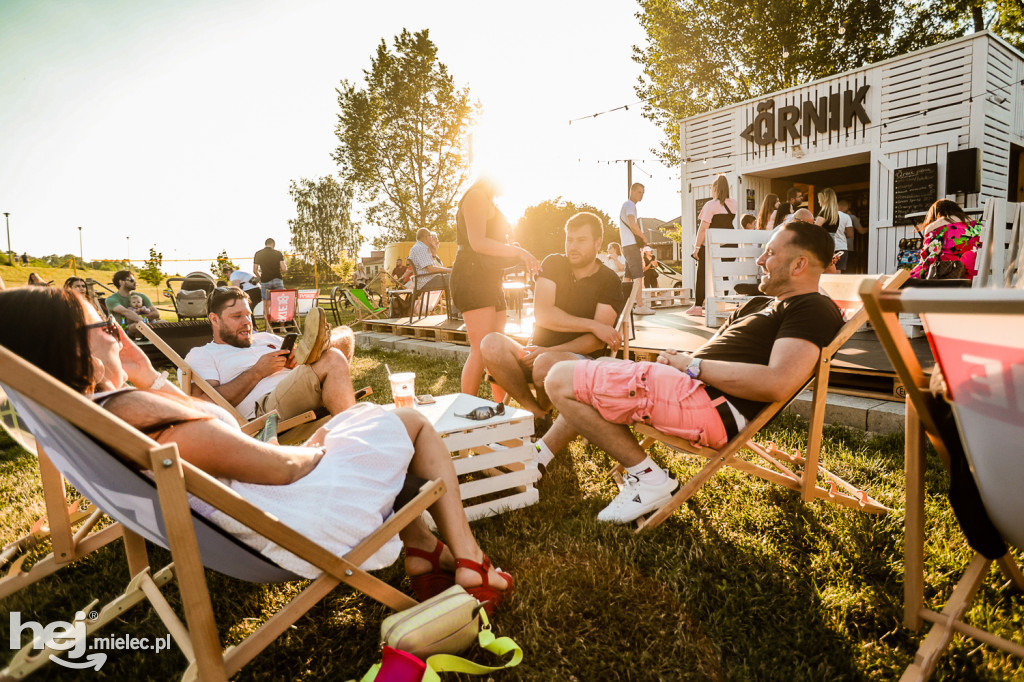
643, 310
636, 499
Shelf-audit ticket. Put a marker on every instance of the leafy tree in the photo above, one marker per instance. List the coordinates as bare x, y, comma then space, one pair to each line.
150, 271
217, 267
704, 54
403, 139
541, 230
323, 226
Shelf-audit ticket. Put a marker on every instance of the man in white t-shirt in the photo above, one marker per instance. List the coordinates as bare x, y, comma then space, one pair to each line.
632, 239
251, 371
247, 282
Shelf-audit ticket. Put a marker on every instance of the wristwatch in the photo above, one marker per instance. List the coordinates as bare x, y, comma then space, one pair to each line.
693, 370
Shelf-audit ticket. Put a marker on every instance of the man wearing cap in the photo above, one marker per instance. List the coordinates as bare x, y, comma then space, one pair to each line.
251, 371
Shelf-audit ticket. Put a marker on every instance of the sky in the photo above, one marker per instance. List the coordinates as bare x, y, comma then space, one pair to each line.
179, 125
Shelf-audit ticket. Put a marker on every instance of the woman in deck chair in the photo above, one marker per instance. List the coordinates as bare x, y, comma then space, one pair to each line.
335, 490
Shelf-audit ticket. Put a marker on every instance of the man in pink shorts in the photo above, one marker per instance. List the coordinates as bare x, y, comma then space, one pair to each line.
764, 353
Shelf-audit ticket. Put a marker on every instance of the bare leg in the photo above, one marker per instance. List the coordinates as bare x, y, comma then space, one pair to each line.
541, 367
344, 340
615, 439
479, 323
432, 460
559, 435
501, 357
335, 381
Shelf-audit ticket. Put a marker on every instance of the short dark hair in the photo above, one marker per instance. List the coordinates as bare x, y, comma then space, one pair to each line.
586, 219
46, 326
791, 194
222, 297
120, 276
747, 219
813, 239
270, 242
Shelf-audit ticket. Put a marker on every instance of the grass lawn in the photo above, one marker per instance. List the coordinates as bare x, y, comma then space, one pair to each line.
745, 582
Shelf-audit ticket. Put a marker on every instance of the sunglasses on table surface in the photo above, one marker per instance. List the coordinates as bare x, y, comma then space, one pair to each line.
108, 325
482, 413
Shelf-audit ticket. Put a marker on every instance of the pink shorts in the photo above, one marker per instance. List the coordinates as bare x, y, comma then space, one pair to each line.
657, 395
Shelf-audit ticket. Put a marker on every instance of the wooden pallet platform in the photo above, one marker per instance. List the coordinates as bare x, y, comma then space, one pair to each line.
665, 298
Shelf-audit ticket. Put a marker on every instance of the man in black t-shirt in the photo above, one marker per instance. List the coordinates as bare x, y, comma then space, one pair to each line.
764, 353
576, 302
269, 266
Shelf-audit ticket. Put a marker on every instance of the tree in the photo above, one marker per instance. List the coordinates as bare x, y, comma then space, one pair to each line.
541, 230
150, 271
217, 267
403, 139
701, 55
323, 226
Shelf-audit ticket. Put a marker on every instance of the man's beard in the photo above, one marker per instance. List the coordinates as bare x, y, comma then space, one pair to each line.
234, 340
773, 284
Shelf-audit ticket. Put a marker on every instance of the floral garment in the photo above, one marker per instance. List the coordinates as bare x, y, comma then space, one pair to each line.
951, 242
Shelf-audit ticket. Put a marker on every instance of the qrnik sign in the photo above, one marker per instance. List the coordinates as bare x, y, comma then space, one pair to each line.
831, 113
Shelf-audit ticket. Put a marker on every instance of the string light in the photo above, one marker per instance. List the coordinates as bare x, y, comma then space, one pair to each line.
785, 53
842, 30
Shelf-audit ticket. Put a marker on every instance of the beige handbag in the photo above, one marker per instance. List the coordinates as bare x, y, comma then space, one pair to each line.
446, 623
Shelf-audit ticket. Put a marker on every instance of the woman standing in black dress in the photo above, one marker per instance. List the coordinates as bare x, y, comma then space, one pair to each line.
476, 278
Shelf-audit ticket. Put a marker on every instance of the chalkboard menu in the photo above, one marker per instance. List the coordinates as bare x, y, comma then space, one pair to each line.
915, 189
700, 205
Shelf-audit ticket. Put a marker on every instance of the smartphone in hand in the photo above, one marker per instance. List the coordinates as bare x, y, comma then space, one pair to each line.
289, 341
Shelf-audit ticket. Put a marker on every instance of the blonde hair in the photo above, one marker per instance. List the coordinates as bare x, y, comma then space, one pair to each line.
829, 205
720, 188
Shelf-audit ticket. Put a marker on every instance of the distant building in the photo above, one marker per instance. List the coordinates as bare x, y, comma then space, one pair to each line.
373, 263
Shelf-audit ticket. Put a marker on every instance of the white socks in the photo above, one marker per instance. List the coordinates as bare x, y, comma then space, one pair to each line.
543, 454
648, 472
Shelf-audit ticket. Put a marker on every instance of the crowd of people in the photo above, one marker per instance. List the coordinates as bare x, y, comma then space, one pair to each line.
356, 467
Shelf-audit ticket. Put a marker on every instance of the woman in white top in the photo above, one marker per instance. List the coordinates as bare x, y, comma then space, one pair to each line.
720, 212
615, 260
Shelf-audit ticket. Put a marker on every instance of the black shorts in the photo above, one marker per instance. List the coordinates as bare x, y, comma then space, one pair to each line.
476, 282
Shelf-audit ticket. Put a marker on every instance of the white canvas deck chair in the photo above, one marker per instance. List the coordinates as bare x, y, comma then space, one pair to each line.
102, 457
732, 259
70, 529
292, 431
796, 471
977, 337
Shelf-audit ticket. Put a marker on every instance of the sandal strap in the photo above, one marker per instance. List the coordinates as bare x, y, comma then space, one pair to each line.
482, 568
433, 557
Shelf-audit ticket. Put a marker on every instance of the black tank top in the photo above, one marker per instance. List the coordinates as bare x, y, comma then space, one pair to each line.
497, 227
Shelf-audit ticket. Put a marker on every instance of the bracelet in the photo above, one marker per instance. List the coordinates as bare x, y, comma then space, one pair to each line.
159, 382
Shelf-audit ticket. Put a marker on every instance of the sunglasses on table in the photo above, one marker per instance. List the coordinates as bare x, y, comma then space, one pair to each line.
482, 413
108, 325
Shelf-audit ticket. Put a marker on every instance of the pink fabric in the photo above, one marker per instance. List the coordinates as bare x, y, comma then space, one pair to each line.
713, 208
657, 395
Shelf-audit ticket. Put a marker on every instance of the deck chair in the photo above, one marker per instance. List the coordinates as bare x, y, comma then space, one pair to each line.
424, 302
294, 430
279, 311
977, 337
102, 457
307, 300
364, 307
67, 542
732, 259
796, 471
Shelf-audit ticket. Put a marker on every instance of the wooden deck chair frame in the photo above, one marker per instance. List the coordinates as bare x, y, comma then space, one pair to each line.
294, 430
174, 479
290, 322
67, 542
883, 308
731, 259
363, 309
777, 465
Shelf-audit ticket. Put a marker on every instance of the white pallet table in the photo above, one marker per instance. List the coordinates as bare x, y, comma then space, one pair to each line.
496, 454
664, 297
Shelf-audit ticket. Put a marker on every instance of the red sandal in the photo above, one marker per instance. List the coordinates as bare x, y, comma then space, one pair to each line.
434, 582
490, 597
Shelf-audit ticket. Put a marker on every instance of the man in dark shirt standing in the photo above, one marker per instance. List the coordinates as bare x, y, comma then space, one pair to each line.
576, 302
269, 266
764, 353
